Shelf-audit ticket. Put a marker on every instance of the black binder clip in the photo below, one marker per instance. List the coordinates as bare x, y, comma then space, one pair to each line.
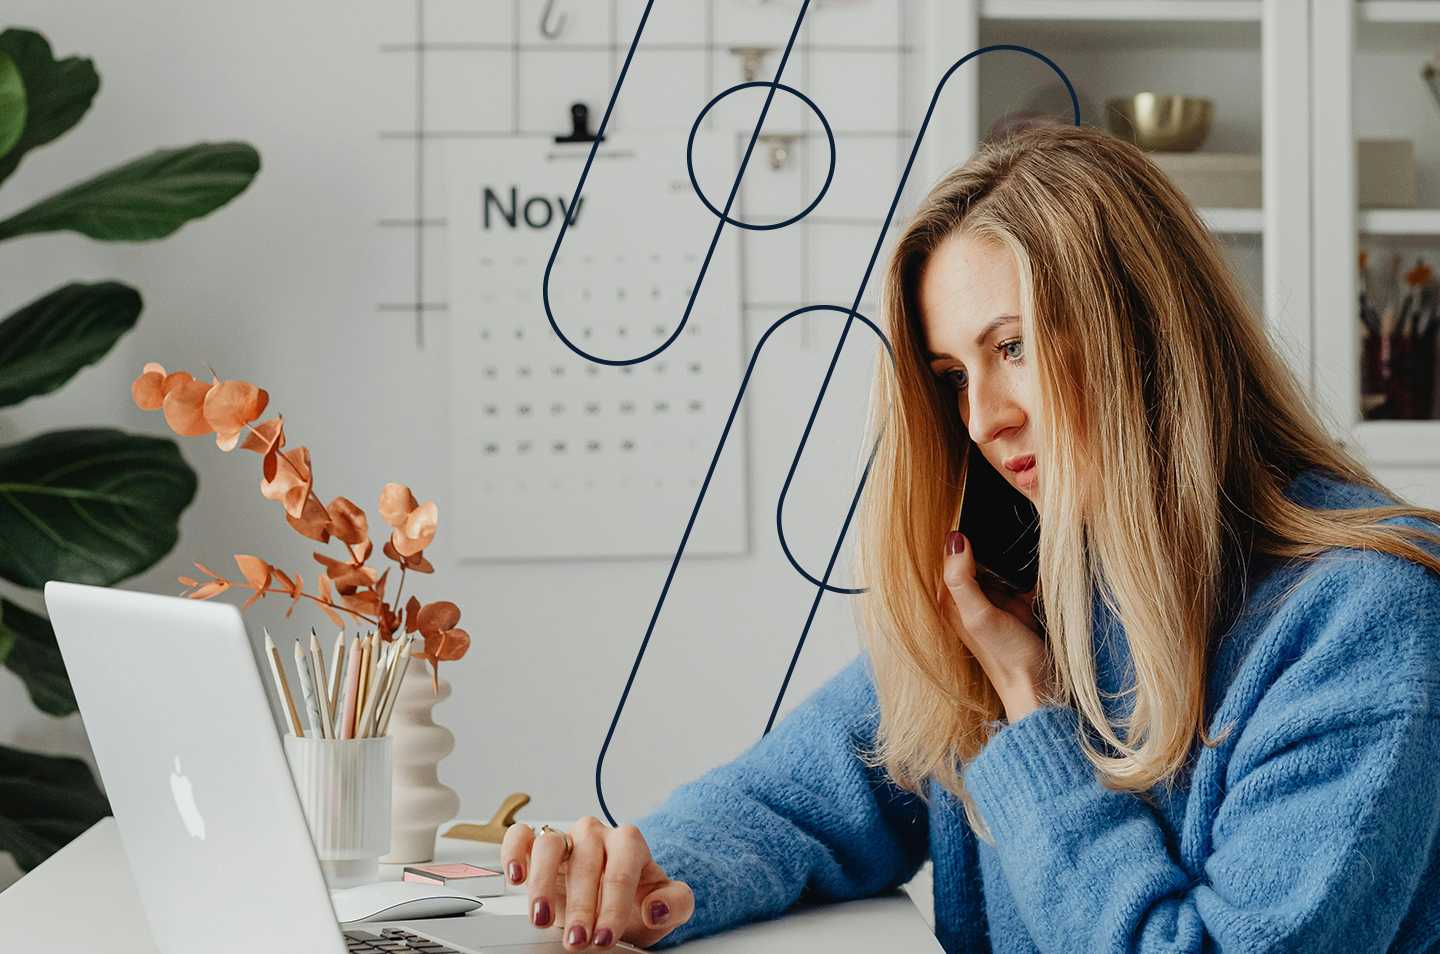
580, 125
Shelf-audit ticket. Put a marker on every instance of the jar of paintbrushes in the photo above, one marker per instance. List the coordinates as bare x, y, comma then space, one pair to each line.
339, 747
1399, 341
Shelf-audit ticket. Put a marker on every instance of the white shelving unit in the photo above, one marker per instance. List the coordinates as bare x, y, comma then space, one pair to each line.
1370, 87
1284, 75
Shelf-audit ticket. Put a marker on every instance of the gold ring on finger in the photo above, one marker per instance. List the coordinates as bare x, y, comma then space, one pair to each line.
569, 843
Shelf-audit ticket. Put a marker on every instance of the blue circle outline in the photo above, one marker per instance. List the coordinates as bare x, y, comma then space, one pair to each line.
690, 155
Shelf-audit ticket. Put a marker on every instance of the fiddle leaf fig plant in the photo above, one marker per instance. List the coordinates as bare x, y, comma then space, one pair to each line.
87, 504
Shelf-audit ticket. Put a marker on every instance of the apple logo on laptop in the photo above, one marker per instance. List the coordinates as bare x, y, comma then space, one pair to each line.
184, 795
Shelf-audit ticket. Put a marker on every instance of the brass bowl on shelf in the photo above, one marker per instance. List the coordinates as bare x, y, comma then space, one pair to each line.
1159, 122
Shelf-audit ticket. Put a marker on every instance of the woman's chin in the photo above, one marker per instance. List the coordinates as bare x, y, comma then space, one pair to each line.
1026, 481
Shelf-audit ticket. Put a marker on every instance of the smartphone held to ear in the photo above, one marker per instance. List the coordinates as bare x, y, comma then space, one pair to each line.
1001, 524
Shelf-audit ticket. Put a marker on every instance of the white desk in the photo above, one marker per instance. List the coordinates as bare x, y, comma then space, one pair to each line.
43, 910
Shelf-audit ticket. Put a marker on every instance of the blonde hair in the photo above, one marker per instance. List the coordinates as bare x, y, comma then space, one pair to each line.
1170, 430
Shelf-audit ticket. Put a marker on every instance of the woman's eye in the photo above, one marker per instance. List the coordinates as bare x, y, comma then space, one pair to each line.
955, 376
1015, 343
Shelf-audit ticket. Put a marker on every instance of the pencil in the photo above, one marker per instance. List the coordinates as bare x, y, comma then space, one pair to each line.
322, 688
282, 687
337, 675
307, 691
379, 653
377, 686
392, 692
352, 684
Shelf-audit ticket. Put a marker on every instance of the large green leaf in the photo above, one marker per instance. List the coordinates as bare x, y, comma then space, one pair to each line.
57, 92
12, 103
34, 656
46, 802
147, 198
43, 344
89, 506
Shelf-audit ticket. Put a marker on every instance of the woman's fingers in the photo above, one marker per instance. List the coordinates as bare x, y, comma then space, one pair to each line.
588, 862
609, 889
515, 852
663, 907
547, 898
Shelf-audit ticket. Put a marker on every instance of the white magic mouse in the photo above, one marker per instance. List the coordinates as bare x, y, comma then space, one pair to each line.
399, 901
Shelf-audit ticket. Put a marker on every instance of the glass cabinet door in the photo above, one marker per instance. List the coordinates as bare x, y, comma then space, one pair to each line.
1376, 165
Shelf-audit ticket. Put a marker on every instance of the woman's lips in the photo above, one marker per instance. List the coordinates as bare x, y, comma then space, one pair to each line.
1023, 467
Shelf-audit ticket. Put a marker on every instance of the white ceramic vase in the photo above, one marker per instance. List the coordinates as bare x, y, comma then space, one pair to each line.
419, 803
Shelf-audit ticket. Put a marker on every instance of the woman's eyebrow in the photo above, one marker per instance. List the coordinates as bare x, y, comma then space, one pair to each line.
990, 326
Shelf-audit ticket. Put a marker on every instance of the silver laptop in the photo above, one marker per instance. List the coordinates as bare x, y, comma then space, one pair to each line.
165, 682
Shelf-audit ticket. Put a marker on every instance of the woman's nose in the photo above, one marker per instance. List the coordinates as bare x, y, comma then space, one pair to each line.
992, 410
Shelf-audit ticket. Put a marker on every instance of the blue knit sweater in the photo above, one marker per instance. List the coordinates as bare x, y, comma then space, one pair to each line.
1312, 827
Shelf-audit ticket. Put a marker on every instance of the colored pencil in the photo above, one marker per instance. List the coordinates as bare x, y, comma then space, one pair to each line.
337, 676
392, 691
307, 691
352, 685
322, 687
282, 686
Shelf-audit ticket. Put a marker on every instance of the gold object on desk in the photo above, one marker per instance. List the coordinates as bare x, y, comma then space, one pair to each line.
1155, 121
494, 829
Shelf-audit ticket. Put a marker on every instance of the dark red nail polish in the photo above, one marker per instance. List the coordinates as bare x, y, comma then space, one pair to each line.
954, 542
517, 873
576, 935
659, 910
604, 937
541, 915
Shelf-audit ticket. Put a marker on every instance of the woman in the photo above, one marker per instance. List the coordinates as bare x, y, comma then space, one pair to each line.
1215, 723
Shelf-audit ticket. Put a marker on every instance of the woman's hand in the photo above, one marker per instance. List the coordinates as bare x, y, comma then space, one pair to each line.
999, 627
608, 889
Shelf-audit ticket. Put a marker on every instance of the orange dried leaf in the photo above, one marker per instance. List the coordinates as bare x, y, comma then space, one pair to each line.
189, 581
146, 390
206, 570
213, 588
286, 477
183, 408
453, 644
291, 586
434, 618
396, 502
229, 406
363, 601
348, 522
265, 436
361, 552
412, 615
352, 579
173, 380
333, 567
313, 522
257, 571
418, 530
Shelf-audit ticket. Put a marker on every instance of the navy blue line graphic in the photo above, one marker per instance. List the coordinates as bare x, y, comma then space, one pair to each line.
823, 583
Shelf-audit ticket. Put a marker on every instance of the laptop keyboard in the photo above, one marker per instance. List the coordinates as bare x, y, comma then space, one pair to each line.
391, 941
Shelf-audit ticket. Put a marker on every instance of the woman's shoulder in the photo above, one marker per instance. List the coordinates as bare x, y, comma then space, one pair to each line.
1361, 619
1376, 569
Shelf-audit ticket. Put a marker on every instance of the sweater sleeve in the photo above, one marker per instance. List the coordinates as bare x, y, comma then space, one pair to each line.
796, 814
1329, 813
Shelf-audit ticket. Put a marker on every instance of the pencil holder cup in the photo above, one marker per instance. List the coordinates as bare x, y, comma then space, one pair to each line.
344, 788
